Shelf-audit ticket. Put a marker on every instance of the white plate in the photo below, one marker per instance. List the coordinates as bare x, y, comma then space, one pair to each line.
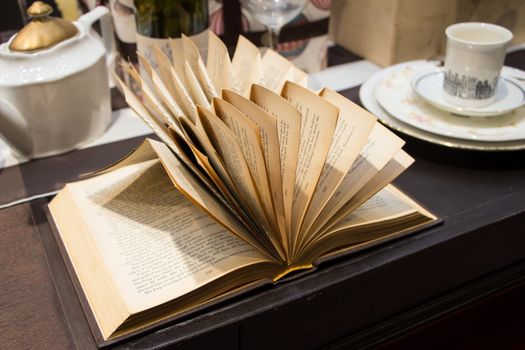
510, 94
396, 96
367, 96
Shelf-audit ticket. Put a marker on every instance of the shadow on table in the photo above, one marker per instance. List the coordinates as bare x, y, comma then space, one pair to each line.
44, 175
483, 160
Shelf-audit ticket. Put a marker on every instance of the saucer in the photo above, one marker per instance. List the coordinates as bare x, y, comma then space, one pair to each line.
395, 95
367, 96
510, 94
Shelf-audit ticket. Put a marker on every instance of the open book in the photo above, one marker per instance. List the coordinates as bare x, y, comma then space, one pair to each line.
256, 177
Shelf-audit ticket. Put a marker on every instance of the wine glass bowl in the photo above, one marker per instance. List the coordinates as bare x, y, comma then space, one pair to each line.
274, 14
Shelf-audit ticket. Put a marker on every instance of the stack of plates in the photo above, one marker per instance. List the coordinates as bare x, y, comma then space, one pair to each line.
407, 97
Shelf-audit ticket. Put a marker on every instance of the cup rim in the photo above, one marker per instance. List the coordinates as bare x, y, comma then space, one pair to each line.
501, 29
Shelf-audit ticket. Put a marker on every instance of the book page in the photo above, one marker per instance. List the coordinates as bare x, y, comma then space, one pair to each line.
289, 132
208, 159
193, 57
189, 186
164, 70
195, 89
175, 85
246, 65
164, 133
249, 140
142, 153
382, 145
228, 148
351, 133
300, 77
318, 122
189, 140
156, 244
201, 141
218, 64
166, 96
161, 90
206, 174
385, 176
148, 96
186, 75
232, 192
267, 126
387, 214
382, 206
136, 106
275, 71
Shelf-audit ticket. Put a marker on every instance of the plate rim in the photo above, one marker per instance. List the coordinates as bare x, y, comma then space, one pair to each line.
367, 97
444, 123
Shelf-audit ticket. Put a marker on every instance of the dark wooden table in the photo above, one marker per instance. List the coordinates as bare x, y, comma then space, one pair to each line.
360, 301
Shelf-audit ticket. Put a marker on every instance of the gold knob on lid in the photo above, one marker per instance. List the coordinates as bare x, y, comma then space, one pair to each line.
39, 9
43, 31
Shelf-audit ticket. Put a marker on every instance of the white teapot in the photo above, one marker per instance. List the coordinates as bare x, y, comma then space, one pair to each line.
54, 90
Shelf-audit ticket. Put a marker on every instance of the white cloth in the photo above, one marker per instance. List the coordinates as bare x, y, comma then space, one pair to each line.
127, 125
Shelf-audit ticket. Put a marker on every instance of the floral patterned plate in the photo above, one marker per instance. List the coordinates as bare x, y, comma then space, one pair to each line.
395, 94
367, 97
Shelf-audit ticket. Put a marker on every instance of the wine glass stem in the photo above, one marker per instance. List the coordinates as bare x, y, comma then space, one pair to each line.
274, 37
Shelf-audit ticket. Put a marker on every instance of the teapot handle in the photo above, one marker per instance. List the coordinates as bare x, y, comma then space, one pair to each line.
100, 13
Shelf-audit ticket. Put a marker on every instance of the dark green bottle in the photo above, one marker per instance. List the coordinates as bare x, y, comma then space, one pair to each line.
171, 18
158, 20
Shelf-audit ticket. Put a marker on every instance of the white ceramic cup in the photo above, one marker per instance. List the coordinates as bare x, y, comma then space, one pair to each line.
473, 62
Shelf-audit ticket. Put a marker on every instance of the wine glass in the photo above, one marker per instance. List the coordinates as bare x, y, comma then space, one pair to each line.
274, 14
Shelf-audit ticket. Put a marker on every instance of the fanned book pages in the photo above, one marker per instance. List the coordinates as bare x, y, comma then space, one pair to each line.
255, 177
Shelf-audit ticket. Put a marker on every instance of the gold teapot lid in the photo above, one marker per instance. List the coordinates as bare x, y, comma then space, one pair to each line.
43, 31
